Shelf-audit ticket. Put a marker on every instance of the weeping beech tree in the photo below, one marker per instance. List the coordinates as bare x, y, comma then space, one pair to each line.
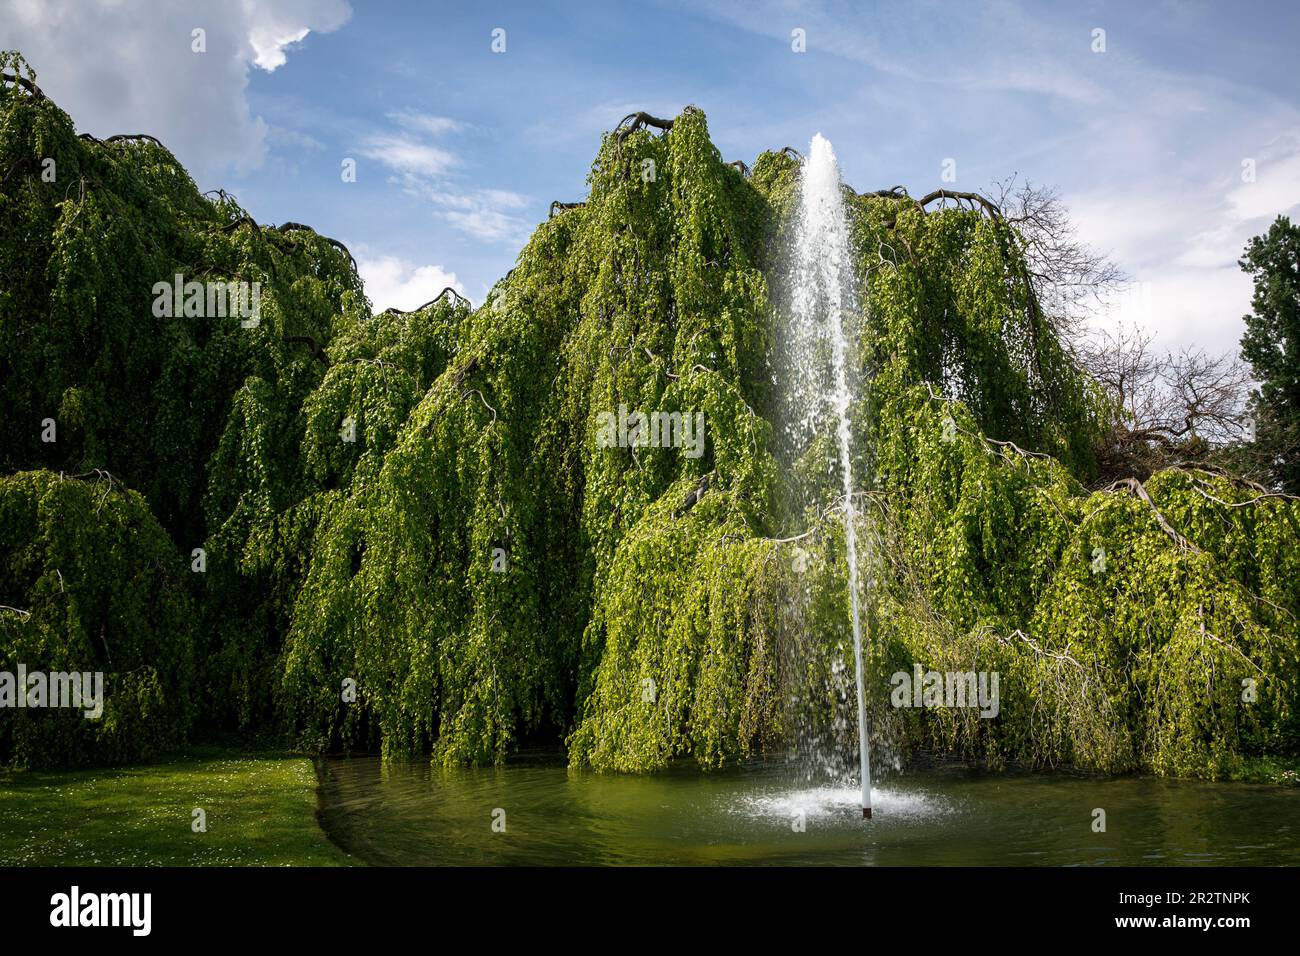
649, 604
420, 538
102, 592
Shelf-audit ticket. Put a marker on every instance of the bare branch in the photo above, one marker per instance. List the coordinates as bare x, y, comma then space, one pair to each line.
1140, 492
634, 121
460, 300
316, 348
558, 206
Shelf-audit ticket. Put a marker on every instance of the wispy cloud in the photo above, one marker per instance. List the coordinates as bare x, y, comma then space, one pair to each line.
406, 155
424, 167
409, 149
426, 122
930, 43
485, 214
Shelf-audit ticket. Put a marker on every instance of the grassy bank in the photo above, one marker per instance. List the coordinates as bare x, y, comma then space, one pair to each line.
1283, 771
260, 811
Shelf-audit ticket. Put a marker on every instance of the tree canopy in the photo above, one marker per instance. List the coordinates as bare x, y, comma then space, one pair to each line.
1272, 345
413, 537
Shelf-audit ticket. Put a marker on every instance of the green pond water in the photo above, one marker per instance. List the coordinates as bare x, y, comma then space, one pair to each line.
414, 814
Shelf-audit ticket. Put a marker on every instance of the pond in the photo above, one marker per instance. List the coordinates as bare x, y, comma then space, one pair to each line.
534, 810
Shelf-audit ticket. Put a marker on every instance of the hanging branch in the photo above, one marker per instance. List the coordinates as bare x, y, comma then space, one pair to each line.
834, 508
244, 220
316, 348
973, 198
379, 364
1059, 656
1017, 449
25, 83
992, 447
284, 229
22, 162
128, 137
655, 358
250, 222
460, 300
475, 391
1199, 488
101, 476
1139, 490
558, 206
1189, 469
465, 371
299, 227
634, 121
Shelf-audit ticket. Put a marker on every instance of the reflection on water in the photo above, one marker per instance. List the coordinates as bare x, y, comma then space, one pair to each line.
413, 814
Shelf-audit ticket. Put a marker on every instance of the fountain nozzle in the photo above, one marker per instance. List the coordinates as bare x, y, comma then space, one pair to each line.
866, 813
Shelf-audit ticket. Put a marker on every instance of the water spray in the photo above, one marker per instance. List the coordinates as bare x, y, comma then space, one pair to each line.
824, 283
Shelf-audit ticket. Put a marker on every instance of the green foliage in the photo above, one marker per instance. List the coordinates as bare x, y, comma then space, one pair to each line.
1272, 345
103, 592
141, 396
1123, 628
420, 504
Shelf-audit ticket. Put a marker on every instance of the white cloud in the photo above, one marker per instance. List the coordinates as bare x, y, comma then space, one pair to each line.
1276, 188
1180, 240
270, 45
1181, 254
274, 26
408, 156
391, 281
425, 122
962, 46
422, 168
296, 139
408, 151
1183, 306
120, 67
485, 214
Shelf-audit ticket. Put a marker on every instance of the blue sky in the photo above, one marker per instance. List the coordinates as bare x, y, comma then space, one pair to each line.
460, 150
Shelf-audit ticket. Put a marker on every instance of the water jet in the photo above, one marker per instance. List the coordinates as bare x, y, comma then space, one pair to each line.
823, 294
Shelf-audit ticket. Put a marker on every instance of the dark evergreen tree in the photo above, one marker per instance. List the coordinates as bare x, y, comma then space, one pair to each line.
1272, 346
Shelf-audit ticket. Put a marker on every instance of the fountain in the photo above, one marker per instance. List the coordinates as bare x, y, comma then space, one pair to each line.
822, 294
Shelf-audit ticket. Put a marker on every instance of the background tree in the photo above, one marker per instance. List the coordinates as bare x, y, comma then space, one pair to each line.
1184, 407
1272, 346
1070, 279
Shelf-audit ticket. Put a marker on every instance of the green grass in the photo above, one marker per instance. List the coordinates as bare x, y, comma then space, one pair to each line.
1284, 771
261, 811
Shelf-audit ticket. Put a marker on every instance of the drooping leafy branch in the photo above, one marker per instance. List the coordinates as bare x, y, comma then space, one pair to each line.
417, 536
